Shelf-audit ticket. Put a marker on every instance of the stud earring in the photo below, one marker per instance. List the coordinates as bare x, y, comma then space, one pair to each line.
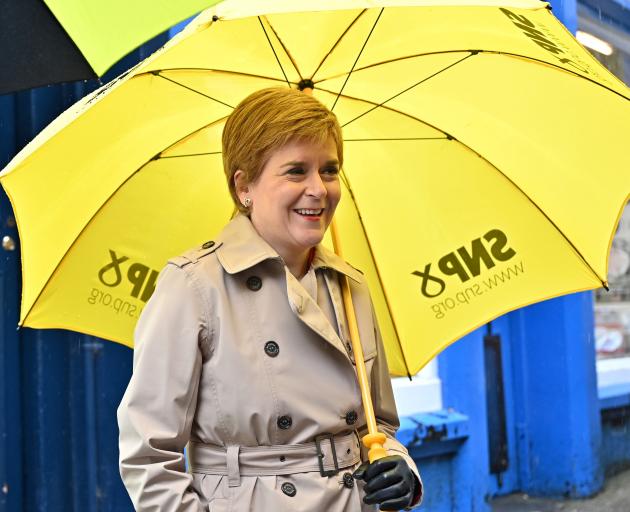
247, 202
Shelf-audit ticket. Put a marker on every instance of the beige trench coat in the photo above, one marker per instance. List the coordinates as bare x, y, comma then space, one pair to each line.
205, 374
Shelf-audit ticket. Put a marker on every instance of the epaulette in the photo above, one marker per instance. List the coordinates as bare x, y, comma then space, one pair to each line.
194, 255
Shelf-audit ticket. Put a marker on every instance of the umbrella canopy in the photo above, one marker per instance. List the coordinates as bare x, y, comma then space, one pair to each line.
485, 162
49, 41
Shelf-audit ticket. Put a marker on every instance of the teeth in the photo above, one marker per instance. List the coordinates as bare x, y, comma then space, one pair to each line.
310, 212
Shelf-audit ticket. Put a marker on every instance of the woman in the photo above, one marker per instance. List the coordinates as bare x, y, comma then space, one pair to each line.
243, 351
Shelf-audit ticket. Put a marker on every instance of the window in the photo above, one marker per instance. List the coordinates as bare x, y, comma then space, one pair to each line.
607, 35
612, 308
422, 394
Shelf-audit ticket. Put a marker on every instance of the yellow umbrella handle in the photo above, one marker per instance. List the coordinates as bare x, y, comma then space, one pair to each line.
374, 440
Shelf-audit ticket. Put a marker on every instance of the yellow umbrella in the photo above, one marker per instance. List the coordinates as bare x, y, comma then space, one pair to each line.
486, 162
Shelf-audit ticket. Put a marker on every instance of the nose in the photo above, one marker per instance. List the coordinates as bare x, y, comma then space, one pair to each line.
316, 187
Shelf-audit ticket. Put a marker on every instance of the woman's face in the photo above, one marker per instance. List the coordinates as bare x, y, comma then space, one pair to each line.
294, 198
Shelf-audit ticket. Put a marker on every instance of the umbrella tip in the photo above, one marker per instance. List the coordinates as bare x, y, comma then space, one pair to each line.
605, 285
306, 83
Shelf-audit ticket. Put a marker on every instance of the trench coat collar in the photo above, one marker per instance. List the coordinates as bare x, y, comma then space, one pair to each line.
241, 247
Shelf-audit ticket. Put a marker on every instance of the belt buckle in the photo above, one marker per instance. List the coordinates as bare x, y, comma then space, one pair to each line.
320, 454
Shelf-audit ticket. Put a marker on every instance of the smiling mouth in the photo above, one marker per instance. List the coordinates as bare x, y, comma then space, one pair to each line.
309, 213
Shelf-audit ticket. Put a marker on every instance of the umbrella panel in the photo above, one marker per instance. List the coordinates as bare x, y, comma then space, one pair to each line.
455, 243
103, 283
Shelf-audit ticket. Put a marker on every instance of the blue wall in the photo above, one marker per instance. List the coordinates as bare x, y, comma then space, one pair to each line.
58, 390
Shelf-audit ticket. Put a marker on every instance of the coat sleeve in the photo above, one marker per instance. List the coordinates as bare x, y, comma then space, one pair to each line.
385, 409
157, 409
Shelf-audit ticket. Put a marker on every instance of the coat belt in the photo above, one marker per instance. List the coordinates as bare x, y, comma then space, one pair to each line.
235, 460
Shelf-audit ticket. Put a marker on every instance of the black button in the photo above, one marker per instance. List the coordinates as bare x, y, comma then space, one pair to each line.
254, 283
348, 481
289, 489
207, 245
351, 417
272, 349
285, 422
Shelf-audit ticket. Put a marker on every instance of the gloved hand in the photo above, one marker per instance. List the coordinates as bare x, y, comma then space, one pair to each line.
389, 482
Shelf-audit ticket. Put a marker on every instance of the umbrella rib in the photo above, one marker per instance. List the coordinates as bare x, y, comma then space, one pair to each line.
446, 137
386, 107
411, 87
213, 70
346, 182
397, 59
337, 43
358, 57
274, 52
496, 52
286, 51
159, 157
191, 89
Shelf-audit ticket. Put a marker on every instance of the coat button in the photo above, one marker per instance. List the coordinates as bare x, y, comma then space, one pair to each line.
348, 481
272, 349
289, 489
207, 245
351, 417
285, 422
254, 283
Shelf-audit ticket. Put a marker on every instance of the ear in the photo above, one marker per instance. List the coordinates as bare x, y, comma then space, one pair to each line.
241, 185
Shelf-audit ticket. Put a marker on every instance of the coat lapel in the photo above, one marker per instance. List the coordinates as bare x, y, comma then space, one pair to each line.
241, 248
309, 312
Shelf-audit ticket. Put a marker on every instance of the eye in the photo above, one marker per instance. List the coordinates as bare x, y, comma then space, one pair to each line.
330, 171
296, 171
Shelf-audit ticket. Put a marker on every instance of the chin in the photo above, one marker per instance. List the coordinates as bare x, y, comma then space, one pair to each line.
311, 241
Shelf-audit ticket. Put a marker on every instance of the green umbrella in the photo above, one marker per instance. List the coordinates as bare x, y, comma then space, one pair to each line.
50, 41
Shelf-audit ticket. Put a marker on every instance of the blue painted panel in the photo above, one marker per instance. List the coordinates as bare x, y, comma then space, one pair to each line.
558, 421
58, 390
10, 374
431, 434
439, 484
508, 481
464, 389
616, 439
566, 12
112, 370
48, 437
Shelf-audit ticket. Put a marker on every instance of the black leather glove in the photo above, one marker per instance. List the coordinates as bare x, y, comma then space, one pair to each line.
389, 482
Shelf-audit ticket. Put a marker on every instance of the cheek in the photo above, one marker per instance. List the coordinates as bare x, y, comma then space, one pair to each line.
334, 194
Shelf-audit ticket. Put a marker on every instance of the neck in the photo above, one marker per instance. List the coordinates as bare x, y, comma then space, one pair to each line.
298, 264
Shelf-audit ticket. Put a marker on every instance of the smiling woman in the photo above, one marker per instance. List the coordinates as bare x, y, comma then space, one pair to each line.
293, 200
243, 353
282, 170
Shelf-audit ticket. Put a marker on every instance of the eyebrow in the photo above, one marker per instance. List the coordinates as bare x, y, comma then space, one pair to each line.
297, 162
